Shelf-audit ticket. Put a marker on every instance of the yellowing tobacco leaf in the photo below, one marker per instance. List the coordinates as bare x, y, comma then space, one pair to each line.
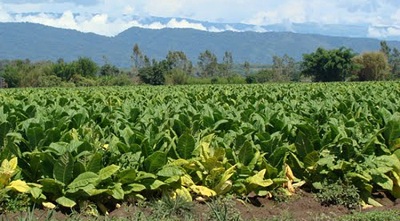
183, 193
19, 186
289, 173
186, 180
258, 179
49, 205
203, 191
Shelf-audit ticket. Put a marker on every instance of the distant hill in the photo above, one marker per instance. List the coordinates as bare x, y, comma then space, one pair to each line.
39, 42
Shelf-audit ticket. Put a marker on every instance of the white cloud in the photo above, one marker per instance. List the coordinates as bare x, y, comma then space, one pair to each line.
109, 17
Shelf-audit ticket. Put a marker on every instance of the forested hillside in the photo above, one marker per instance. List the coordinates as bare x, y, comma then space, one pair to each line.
38, 42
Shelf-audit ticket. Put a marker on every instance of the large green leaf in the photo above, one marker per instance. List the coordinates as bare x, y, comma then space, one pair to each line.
65, 202
52, 186
170, 170
108, 171
35, 135
63, 168
186, 145
392, 131
95, 163
127, 176
155, 161
83, 180
303, 145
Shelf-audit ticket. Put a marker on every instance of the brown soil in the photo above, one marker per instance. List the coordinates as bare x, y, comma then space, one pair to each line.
302, 206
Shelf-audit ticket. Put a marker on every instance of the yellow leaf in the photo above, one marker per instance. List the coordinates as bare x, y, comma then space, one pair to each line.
202, 190
8, 168
49, 205
13, 163
222, 185
186, 180
180, 162
290, 186
224, 188
258, 179
184, 194
19, 186
289, 173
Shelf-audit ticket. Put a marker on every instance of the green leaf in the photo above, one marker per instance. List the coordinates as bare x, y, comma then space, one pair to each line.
108, 171
392, 131
52, 186
65, 202
83, 180
4, 129
246, 153
311, 159
155, 161
127, 176
170, 170
383, 181
63, 168
303, 145
153, 184
34, 135
95, 163
186, 145
135, 187
117, 192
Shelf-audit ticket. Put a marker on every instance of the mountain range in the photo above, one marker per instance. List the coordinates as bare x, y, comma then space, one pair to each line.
39, 42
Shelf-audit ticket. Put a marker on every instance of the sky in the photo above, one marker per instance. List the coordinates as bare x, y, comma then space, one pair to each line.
110, 17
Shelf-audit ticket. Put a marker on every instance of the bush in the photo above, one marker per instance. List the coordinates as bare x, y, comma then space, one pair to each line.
339, 193
176, 76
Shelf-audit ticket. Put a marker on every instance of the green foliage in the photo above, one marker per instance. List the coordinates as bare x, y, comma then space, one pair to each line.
222, 209
328, 65
154, 74
168, 207
390, 215
262, 76
109, 70
113, 144
176, 77
339, 193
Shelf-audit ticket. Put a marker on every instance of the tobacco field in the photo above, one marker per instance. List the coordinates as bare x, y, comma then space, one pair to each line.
61, 147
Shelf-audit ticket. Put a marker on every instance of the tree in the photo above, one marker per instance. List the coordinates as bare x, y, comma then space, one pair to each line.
109, 70
246, 67
179, 60
394, 63
85, 67
393, 57
208, 64
14, 71
328, 65
154, 74
372, 66
385, 49
63, 70
284, 68
137, 57
227, 64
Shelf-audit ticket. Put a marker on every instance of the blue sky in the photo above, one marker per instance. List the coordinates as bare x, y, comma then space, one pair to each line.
109, 17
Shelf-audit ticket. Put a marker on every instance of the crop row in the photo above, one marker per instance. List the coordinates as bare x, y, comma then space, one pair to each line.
101, 145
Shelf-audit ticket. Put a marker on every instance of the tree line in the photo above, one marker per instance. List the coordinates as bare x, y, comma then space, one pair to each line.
323, 65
